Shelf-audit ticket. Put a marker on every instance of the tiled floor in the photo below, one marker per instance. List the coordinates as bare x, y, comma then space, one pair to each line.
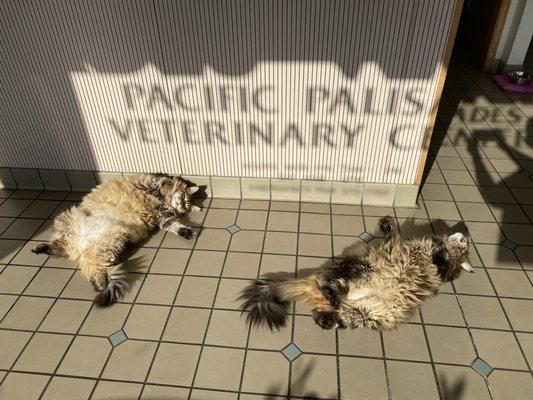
179, 334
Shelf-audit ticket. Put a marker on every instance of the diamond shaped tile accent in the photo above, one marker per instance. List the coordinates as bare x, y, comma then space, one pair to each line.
291, 352
367, 237
117, 338
509, 244
233, 229
481, 367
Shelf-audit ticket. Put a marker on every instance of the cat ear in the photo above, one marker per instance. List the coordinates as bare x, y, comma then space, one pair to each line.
195, 208
193, 189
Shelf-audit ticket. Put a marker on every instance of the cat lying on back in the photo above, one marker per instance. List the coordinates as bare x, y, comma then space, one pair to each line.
379, 288
113, 216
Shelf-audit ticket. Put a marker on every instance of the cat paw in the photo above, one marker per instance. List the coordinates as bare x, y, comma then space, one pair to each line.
186, 233
325, 319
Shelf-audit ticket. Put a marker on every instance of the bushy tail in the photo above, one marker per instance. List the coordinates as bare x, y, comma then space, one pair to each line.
267, 302
118, 285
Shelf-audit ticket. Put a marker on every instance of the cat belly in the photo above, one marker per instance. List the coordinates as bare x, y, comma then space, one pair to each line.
94, 229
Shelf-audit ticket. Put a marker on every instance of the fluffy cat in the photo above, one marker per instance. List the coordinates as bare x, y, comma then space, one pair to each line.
113, 216
379, 288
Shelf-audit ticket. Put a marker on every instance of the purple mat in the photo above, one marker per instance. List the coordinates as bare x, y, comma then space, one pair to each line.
502, 82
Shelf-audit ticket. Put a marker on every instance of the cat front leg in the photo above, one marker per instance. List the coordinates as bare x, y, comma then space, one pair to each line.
172, 224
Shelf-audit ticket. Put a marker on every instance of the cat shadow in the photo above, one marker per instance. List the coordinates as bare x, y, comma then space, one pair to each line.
452, 390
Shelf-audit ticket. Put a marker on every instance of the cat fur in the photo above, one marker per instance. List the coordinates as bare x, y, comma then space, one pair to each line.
113, 216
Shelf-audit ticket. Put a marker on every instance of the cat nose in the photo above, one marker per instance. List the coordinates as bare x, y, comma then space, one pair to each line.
457, 237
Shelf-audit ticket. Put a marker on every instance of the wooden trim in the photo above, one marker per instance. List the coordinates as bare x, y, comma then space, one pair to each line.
496, 35
438, 91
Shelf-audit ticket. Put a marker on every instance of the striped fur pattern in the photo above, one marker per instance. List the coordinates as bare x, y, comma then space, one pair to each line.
378, 287
113, 216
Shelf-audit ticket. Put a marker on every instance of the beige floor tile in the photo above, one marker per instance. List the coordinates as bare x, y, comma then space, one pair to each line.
519, 233
510, 385
283, 221
433, 191
265, 372
146, 322
8, 249
497, 256
199, 394
486, 232
174, 364
280, 243
5, 222
254, 204
139, 259
155, 392
61, 262
314, 376
14, 279
18, 386
65, 205
220, 218
407, 342
264, 339
360, 342
227, 328
414, 227
6, 301
525, 255
228, 292
44, 232
26, 257
159, 289
346, 209
476, 283
475, 212
370, 382
43, 353
130, 361
519, 312
13, 207
467, 193
68, 388
347, 225
321, 208
461, 382
170, 261
172, 241
344, 245
105, 321
284, 206
508, 213
499, 349
442, 210
27, 313
65, 316
413, 381
219, 368
310, 337
442, 310
106, 390
247, 241
511, 283
315, 223
86, 357
273, 263
49, 282
523, 195
496, 195
213, 239
450, 345
241, 265
12, 344
197, 291
22, 229
206, 263
315, 245
483, 312
457, 177
186, 325
248, 219
224, 203
40, 209
526, 342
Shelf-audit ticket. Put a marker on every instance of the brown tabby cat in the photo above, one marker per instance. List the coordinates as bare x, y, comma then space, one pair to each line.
113, 216
379, 288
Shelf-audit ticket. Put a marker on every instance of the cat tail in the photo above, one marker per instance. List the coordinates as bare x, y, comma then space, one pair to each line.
267, 302
118, 284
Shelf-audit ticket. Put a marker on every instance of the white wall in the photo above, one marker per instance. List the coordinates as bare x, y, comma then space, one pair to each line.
516, 34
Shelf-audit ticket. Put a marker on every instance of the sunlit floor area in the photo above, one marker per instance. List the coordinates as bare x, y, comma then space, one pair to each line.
180, 335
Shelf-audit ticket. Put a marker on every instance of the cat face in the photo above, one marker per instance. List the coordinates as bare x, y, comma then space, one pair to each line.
457, 257
181, 199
